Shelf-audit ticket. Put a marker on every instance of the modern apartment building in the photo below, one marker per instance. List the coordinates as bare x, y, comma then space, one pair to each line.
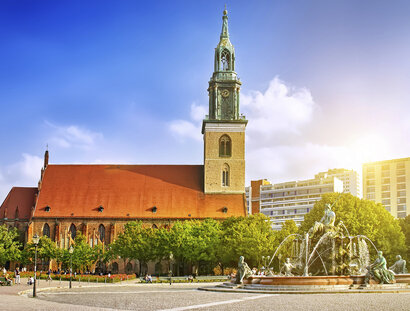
289, 200
352, 182
388, 183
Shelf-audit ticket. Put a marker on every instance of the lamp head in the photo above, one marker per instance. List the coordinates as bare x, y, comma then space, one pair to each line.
36, 239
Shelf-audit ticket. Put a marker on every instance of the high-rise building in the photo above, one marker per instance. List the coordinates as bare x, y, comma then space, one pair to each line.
352, 182
289, 200
388, 183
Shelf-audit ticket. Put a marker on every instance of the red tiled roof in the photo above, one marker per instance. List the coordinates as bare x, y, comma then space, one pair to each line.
21, 198
131, 191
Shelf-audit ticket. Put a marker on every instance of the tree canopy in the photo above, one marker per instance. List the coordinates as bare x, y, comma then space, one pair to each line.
9, 245
361, 217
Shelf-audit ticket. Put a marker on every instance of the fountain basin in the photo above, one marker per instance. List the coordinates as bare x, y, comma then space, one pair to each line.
330, 280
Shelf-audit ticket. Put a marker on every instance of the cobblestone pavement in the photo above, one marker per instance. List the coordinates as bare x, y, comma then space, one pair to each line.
178, 297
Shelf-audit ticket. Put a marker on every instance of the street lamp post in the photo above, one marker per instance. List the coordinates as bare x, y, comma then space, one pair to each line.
71, 250
36, 239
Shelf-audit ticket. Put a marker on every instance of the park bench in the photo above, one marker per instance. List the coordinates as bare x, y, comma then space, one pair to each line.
4, 281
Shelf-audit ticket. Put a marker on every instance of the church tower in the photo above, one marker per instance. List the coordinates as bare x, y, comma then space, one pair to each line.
224, 127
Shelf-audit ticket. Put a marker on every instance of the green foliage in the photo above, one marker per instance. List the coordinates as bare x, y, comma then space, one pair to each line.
134, 242
405, 227
361, 217
251, 237
46, 250
9, 245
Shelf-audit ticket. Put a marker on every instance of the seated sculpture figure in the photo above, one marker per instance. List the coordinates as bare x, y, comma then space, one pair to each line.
399, 266
378, 271
243, 270
287, 267
327, 221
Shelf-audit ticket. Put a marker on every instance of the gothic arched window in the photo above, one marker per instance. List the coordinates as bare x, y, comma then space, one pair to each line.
46, 230
225, 175
73, 231
225, 146
101, 232
225, 60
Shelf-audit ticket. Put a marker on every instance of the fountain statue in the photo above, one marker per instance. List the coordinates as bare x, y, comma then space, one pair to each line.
243, 270
287, 267
378, 271
399, 266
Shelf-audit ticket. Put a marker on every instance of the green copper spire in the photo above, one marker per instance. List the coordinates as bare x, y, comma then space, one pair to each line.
224, 85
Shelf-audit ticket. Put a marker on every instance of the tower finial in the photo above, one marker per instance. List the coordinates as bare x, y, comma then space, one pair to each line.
46, 156
224, 33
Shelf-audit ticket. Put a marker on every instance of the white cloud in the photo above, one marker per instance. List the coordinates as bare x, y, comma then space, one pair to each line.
280, 110
73, 136
189, 129
24, 173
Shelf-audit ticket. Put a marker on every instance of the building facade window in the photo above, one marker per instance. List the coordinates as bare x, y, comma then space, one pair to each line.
386, 188
386, 195
401, 186
225, 175
386, 202
401, 179
101, 232
400, 165
401, 193
46, 230
400, 172
73, 231
225, 146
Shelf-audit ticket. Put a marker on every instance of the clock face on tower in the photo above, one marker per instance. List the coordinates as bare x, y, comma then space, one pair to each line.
225, 93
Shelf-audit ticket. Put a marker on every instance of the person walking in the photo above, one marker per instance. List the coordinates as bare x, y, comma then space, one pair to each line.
17, 275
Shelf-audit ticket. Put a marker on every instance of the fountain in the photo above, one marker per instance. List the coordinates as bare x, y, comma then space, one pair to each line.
325, 258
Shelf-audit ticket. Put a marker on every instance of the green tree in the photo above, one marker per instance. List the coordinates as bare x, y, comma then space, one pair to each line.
361, 217
405, 227
251, 237
9, 245
134, 243
46, 251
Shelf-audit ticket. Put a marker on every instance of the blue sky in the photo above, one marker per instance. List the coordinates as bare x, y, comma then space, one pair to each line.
325, 83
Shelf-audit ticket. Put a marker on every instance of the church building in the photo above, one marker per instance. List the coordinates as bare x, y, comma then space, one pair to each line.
98, 200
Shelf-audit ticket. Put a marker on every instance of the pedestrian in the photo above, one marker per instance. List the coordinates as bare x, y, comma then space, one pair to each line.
49, 275
170, 277
17, 275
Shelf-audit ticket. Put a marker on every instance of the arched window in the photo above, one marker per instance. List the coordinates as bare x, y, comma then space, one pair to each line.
225, 57
154, 226
225, 146
225, 175
46, 230
73, 231
114, 268
101, 232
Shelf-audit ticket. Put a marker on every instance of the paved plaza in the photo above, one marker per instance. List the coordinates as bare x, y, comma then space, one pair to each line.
132, 296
